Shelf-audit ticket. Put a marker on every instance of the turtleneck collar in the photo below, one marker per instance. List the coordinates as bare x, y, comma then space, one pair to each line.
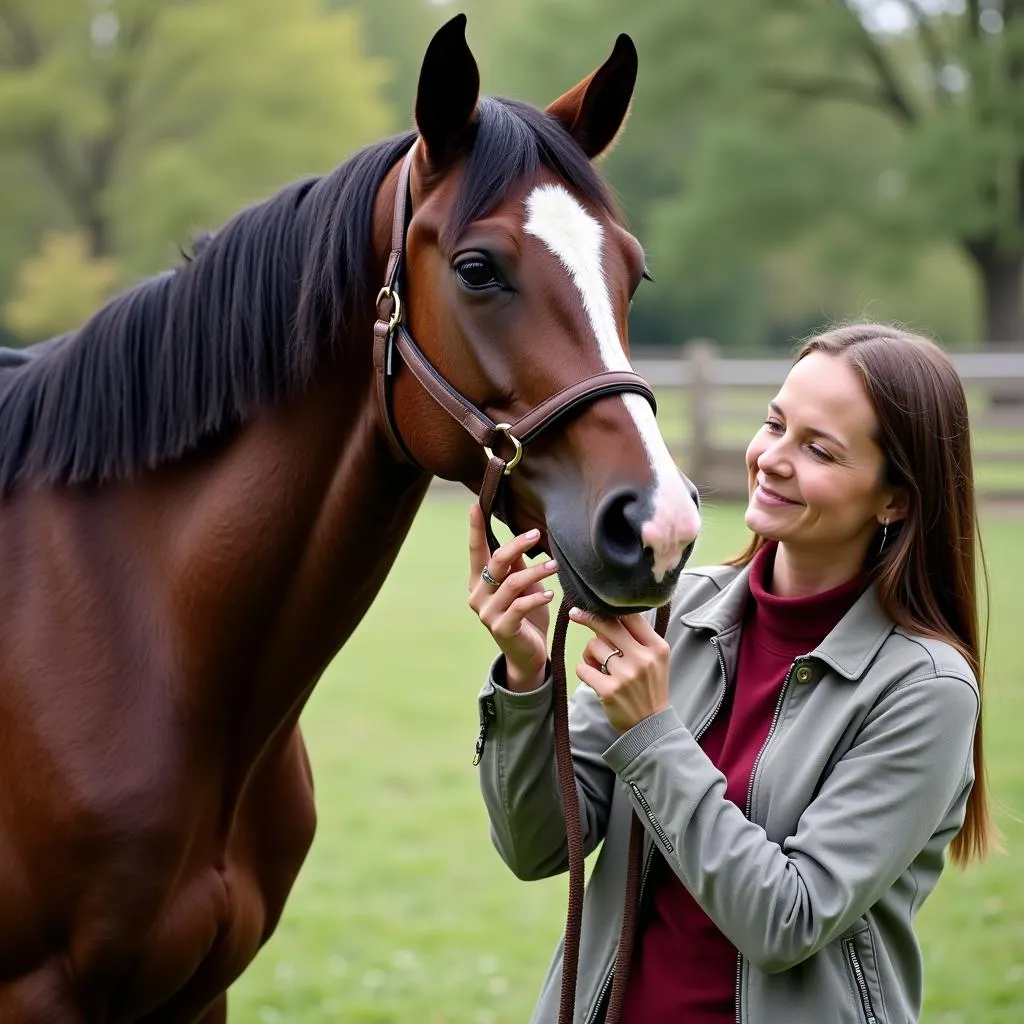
796, 622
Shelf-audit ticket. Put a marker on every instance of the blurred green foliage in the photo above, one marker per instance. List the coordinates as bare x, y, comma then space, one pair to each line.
769, 134
59, 287
137, 122
786, 162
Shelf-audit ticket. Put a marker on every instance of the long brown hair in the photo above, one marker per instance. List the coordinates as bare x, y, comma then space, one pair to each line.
929, 574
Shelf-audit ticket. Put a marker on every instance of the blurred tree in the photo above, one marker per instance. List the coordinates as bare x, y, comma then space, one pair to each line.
59, 287
887, 129
521, 53
398, 31
142, 120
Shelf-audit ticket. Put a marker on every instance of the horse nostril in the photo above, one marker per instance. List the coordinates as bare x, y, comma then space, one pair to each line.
694, 493
617, 525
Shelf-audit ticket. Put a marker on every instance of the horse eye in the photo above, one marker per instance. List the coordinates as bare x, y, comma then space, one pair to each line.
477, 274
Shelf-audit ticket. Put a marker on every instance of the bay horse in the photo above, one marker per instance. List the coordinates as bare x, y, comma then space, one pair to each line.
204, 487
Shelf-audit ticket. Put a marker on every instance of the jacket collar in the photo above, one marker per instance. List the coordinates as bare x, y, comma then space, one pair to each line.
849, 649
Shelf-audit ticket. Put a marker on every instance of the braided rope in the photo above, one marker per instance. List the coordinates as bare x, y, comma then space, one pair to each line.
574, 841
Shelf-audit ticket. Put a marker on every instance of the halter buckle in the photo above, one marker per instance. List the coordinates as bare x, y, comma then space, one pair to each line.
506, 429
387, 292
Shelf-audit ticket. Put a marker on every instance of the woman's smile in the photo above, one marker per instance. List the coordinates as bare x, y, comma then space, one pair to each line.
764, 495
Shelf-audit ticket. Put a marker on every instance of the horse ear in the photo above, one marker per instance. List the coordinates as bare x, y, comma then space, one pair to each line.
593, 111
448, 90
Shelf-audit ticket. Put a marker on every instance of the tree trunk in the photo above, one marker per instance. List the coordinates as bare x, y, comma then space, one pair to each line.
1002, 278
97, 230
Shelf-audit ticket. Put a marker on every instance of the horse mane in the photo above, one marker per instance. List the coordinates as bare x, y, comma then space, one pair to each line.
196, 350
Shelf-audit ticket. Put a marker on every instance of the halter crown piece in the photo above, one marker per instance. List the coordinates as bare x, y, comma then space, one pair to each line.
391, 342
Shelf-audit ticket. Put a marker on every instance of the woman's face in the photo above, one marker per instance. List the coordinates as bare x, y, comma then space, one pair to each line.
815, 472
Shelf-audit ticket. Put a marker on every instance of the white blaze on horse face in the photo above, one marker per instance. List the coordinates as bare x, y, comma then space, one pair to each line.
557, 218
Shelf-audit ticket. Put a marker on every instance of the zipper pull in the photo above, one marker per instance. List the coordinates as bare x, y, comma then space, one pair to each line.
488, 712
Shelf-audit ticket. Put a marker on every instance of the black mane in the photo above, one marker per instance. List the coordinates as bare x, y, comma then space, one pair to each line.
195, 350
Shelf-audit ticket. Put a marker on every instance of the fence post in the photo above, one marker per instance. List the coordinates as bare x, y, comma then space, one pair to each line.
701, 354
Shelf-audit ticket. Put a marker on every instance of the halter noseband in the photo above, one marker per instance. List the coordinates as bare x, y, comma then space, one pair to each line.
391, 337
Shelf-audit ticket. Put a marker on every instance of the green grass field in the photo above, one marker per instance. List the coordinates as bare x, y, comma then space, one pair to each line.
404, 913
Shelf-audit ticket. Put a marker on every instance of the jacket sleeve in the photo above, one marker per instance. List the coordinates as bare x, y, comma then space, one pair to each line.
519, 778
909, 769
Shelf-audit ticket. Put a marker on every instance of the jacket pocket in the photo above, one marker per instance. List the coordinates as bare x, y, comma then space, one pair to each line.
860, 963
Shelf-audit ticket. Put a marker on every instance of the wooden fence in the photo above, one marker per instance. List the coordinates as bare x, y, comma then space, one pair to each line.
709, 407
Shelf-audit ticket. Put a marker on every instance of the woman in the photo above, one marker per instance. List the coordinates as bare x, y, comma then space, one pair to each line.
803, 745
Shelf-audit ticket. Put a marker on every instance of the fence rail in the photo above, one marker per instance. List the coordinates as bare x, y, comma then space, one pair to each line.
710, 405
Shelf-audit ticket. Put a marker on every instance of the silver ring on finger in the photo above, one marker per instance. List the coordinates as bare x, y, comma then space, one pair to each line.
604, 664
485, 575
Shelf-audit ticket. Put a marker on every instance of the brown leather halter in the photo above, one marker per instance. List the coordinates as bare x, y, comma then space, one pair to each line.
391, 338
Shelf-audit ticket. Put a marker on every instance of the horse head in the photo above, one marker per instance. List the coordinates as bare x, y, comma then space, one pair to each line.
516, 277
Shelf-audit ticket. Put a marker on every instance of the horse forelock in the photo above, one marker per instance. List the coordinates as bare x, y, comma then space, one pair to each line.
512, 141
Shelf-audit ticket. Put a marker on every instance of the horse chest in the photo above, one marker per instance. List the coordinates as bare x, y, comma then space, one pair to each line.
228, 905
162, 905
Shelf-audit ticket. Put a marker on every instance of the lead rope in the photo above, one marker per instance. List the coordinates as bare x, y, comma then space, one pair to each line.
574, 841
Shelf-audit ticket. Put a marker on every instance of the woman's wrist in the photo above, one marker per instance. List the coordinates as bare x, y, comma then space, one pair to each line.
523, 682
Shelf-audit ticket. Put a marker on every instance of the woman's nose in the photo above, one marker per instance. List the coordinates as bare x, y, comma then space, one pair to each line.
775, 460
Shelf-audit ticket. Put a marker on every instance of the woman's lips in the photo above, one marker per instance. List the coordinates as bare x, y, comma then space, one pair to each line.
766, 496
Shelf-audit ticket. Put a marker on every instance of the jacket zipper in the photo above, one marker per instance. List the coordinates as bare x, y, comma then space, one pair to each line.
862, 984
721, 697
488, 713
650, 853
655, 824
747, 809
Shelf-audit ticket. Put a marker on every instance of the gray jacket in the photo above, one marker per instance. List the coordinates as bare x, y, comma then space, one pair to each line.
861, 785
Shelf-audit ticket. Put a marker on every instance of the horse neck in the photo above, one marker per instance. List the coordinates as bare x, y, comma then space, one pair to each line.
364, 503
297, 523
292, 529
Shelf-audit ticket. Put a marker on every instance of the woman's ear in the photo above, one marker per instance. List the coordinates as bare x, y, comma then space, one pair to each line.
897, 507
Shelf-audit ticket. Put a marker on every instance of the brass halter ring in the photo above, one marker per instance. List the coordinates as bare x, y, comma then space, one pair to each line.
396, 313
506, 429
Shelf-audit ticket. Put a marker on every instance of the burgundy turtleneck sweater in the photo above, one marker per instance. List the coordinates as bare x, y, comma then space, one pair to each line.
684, 969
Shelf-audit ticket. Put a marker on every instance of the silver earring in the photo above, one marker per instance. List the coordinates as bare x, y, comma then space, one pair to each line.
885, 535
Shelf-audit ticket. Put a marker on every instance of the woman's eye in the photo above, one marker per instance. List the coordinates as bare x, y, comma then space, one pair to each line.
820, 453
773, 424
477, 274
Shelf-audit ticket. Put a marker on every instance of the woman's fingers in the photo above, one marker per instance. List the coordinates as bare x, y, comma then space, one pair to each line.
508, 624
509, 556
490, 602
478, 553
627, 633
503, 560
640, 629
600, 652
629, 678
604, 687
611, 630
499, 565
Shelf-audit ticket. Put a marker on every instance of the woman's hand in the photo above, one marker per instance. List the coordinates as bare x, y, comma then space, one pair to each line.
515, 609
633, 683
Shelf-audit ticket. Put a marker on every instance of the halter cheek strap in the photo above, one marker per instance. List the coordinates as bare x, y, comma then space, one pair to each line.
389, 313
393, 345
